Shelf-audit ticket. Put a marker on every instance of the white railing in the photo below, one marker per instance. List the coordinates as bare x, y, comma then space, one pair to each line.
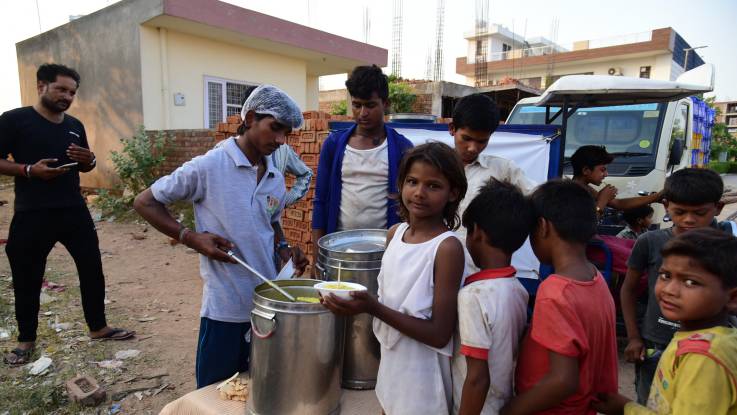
547, 50
516, 53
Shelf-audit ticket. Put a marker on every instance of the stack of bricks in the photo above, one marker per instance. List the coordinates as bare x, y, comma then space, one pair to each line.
228, 128
307, 142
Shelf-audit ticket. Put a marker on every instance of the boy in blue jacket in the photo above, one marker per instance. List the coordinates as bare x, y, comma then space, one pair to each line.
357, 172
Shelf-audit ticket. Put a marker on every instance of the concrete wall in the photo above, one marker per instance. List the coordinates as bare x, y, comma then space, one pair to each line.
175, 62
331, 97
312, 90
103, 47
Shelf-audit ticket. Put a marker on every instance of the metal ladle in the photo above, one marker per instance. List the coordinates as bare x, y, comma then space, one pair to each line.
266, 280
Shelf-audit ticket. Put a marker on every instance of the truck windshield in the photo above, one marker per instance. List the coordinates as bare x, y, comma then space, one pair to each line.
626, 130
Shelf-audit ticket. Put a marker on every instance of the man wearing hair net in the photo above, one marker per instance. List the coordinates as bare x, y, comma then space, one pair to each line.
237, 195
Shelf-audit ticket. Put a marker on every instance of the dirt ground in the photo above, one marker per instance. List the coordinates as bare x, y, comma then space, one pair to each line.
153, 288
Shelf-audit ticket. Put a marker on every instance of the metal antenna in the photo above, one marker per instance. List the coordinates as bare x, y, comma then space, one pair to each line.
38, 14
439, 30
481, 75
366, 24
397, 39
428, 63
553, 51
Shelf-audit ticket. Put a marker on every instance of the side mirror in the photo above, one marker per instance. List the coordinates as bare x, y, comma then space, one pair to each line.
676, 153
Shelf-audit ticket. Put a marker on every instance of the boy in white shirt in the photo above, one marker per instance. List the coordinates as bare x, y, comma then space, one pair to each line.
492, 305
475, 118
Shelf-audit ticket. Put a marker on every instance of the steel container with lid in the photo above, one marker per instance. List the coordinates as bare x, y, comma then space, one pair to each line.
296, 352
356, 255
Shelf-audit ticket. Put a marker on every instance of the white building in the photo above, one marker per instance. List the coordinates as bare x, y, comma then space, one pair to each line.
537, 61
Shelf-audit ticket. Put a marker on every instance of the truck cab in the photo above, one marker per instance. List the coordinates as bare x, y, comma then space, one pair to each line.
646, 124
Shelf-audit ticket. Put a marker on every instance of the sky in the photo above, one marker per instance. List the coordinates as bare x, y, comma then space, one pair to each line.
708, 22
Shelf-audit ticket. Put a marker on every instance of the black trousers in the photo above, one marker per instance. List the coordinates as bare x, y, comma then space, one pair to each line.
31, 237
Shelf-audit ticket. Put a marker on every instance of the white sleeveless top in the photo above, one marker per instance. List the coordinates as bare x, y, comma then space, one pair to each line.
406, 284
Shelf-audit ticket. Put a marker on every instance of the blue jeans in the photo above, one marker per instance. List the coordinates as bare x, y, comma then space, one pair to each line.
645, 371
222, 350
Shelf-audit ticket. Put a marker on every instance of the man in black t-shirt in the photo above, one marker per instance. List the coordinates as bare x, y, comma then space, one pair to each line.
49, 148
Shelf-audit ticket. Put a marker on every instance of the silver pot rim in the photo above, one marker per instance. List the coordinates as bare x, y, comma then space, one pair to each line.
325, 246
285, 306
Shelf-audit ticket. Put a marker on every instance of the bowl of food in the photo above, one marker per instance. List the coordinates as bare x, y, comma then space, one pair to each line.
340, 289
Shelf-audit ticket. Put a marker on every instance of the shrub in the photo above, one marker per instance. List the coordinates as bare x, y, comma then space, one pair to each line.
339, 108
137, 166
401, 97
724, 167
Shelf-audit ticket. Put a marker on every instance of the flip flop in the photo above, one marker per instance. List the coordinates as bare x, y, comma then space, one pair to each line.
116, 334
18, 357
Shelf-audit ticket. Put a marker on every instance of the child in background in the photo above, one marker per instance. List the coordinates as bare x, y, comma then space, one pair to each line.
569, 354
692, 199
697, 285
492, 305
421, 272
638, 221
590, 168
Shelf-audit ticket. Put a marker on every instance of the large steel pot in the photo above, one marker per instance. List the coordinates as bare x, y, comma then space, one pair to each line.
357, 255
296, 352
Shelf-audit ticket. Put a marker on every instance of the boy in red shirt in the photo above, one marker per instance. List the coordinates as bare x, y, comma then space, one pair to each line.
569, 353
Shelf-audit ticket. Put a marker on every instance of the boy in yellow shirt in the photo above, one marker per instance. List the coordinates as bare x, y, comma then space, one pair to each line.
697, 285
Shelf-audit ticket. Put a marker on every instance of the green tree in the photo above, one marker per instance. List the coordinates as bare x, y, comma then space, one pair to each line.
339, 108
401, 96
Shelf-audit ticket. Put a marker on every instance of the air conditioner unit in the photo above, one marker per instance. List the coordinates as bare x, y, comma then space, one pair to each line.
615, 71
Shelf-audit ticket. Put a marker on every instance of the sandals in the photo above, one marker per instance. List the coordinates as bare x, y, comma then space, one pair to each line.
18, 357
116, 334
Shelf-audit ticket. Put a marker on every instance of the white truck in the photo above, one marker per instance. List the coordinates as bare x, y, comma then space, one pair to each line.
647, 124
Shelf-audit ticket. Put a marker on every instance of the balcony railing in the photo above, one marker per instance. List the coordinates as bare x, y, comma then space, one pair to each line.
515, 54
550, 49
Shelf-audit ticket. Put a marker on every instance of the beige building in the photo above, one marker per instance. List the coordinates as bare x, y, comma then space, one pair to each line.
728, 115
537, 62
181, 64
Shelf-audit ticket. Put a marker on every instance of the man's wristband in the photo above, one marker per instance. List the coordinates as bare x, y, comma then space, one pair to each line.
27, 170
183, 231
282, 245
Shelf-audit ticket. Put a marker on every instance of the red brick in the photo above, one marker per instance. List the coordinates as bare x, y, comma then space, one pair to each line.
287, 223
306, 237
294, 214
293, 235
304, 205
307, 137
222, 127
234, 119
232, 128
302, 225
309, 159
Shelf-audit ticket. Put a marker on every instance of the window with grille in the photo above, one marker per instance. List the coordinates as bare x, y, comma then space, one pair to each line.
223, 98
644, 72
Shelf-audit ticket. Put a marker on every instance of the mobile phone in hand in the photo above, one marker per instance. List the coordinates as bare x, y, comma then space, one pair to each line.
73, 164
